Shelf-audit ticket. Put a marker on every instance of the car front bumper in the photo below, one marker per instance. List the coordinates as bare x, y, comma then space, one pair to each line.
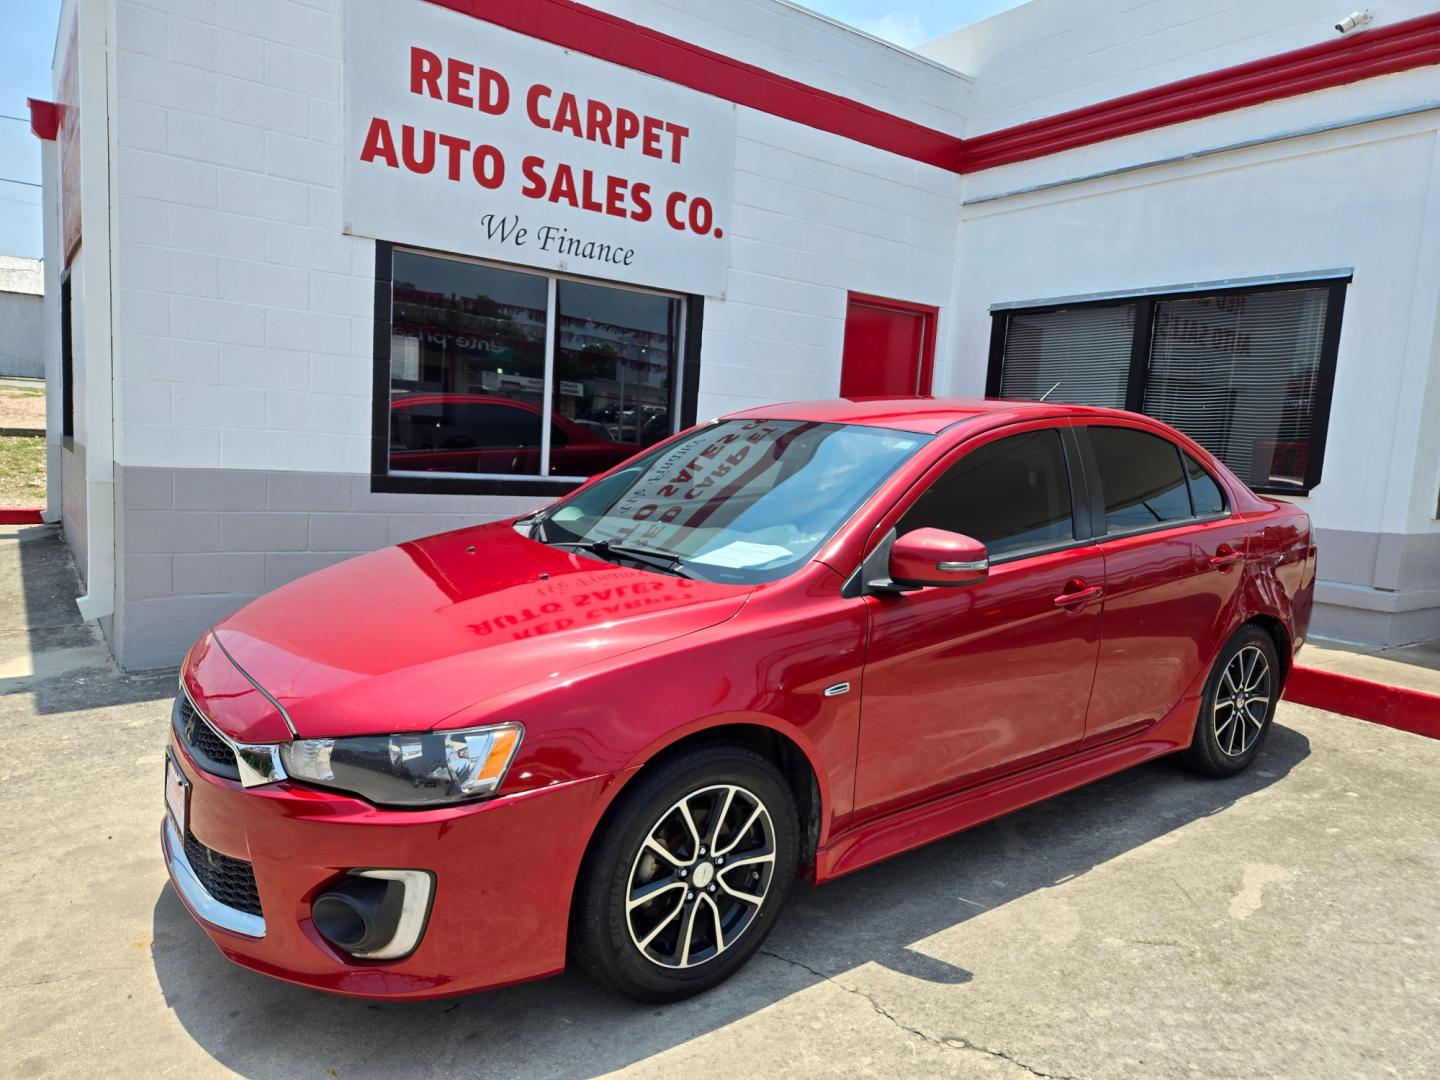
504, 871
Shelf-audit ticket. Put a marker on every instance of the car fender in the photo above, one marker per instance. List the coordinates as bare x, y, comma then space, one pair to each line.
718, 722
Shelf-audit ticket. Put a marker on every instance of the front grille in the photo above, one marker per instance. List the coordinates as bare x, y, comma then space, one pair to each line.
207, 749
230, 881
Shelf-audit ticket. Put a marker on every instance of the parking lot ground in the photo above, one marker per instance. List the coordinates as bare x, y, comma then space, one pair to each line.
1285, 923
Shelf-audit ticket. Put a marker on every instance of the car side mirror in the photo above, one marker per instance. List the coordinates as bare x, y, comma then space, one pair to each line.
937, 557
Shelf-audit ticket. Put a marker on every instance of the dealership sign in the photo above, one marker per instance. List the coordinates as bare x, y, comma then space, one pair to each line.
465, 137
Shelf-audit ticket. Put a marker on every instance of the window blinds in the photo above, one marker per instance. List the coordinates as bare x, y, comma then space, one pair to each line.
1237, 373
1078, 355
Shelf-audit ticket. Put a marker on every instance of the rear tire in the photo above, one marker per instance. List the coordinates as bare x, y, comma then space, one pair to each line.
712, 889
1237, 707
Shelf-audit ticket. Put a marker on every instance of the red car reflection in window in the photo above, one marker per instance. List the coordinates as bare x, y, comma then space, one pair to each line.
473, 433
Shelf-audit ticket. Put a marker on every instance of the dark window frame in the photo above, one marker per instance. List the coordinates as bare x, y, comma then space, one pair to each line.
687, 369
1141, 345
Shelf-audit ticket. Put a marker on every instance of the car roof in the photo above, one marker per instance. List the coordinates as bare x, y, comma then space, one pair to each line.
924, 415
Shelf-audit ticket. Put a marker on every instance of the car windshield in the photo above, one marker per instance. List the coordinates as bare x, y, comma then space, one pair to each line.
736, 501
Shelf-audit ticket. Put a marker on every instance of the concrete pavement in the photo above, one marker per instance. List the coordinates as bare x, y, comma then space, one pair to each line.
1286, 923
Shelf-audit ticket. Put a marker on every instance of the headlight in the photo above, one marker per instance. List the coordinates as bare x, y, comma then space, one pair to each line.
427, 769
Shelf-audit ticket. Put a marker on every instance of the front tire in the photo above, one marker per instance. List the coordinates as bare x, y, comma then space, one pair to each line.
1237, 707
689, 875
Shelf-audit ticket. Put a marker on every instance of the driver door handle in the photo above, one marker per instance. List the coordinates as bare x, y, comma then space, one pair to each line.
1080, 596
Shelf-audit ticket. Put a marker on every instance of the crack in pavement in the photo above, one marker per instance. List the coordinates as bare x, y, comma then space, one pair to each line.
949, 1042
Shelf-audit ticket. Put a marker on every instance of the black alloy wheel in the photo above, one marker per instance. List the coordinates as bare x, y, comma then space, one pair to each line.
1238, 706
689, 875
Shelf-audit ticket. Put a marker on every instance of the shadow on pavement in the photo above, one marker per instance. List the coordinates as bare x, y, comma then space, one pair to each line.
569, 1027
48, 651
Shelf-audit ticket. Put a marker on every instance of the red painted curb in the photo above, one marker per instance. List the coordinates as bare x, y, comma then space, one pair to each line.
1379, 703
20, 516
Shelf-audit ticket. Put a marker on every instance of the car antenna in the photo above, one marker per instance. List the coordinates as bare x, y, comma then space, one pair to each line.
1052, 389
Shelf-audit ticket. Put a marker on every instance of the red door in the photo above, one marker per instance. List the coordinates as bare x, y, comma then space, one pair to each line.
889, 348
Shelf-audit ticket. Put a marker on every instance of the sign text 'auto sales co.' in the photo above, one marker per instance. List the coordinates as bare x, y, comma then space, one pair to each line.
465, 137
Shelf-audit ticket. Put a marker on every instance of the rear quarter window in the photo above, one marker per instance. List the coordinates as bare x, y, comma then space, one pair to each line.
1204, 490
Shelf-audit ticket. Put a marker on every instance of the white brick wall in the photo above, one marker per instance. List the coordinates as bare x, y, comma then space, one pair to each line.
241, 292
240, 308
1049, 56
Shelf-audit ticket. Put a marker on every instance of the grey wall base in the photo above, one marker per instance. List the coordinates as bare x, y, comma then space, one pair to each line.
196, 544
1377, 588
1384, 628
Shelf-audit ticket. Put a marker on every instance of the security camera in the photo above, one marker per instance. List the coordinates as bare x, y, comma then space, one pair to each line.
1353, 21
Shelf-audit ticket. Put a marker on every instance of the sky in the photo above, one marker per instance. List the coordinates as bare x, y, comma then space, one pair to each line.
910, 22
27, 41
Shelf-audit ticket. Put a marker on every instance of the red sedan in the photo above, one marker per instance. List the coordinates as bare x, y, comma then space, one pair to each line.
797, 640
474, 433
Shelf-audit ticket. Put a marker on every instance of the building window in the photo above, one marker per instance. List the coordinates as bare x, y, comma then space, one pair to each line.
511, 381
1245, 372
67, 365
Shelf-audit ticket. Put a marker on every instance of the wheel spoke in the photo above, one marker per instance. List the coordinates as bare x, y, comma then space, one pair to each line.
664, 852
746, 860
719, 932
662, 924
719, 819
740, 834
738, 894
645, 893
687, 934
1228, 678
1250, 716
690, 824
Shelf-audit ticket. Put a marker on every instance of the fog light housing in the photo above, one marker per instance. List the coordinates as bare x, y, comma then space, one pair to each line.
375, 914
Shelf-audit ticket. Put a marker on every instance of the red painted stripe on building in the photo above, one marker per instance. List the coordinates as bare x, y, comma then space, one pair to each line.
1393, 706
1350, 58
1382, 51
20, 516
607, 37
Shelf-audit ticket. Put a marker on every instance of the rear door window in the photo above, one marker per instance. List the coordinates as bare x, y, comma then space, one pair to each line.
1012, 495
1142, 479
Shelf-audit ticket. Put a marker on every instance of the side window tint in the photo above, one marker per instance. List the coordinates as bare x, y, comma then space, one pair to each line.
1204, 491
1141, 478
1011, 494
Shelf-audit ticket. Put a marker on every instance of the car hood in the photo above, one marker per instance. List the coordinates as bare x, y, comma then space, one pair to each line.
402, 638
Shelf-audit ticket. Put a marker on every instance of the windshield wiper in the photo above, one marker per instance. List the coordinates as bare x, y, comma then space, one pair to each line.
608, 549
